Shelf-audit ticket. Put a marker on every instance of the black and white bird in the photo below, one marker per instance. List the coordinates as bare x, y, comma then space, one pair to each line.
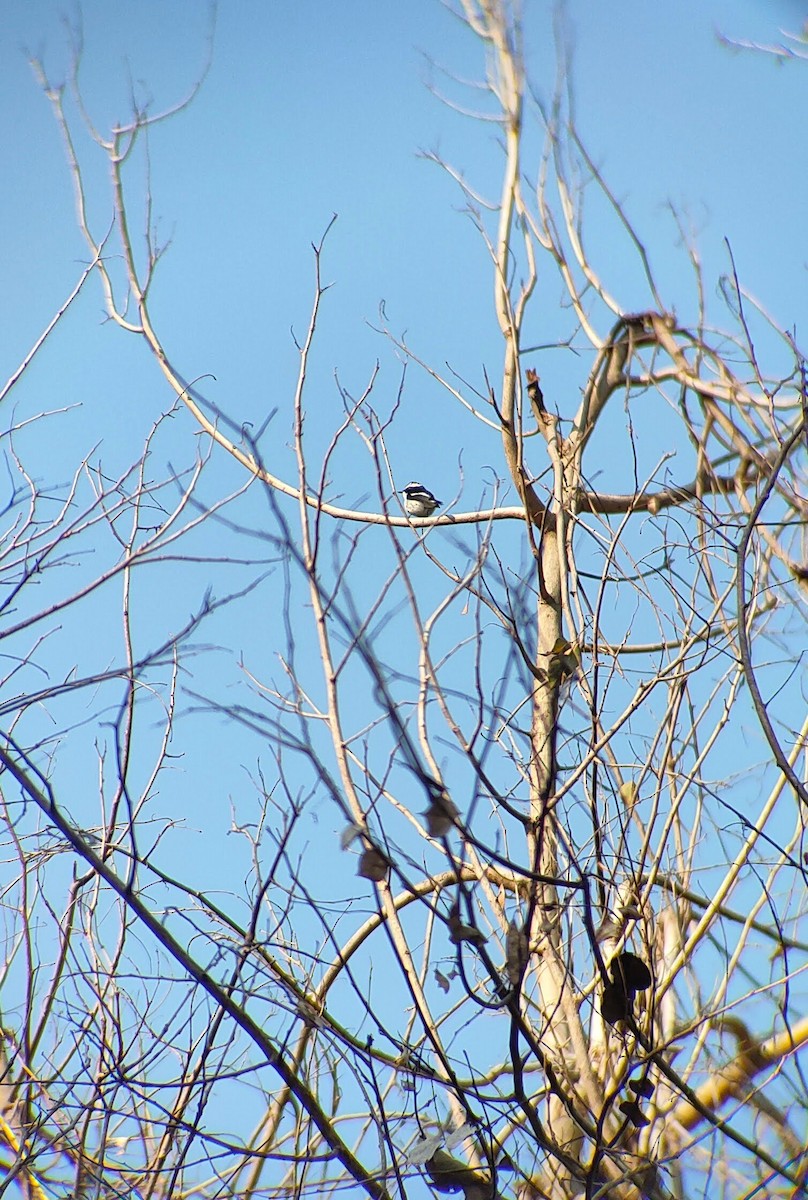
419, 501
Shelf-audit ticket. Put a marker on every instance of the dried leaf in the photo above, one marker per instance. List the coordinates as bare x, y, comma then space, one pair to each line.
349, 835
629, 975
373, 865
441, 980
515, 952
441, 815
632, 1110
632, 971
424, 1148
642, 1087
458, 1135
564, 661
629, 907
608, 930
628, 793
616, 1003
466, 933
460, 932
404, 1077
450, 1174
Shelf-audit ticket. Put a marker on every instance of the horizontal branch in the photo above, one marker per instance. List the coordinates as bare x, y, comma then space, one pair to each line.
669, 497
730, 1081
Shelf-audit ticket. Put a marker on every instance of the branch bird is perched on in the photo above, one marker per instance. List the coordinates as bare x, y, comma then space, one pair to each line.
419, 501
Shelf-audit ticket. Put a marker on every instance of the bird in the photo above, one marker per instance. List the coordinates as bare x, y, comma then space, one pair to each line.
419, 501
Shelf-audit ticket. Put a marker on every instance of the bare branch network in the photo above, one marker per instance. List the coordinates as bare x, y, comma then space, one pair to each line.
520, 820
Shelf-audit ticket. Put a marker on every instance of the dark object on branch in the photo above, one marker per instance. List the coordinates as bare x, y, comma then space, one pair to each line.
631, 971
615, 1005
536, 397
516, 951
419, 501
564, 661
632, 1110
450, 1174
373, 865
629, 976
441, 814
460, 932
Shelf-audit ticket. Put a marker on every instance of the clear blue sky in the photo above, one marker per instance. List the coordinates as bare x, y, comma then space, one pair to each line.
315, 108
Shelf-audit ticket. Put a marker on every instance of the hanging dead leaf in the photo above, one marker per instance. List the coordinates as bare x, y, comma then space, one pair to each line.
515, 952
349, 835
424, 1148
467, 933
628, 793
458, 1135
449, 1174
441, 815
373, 865
441, 980
460, 932
632, 1110
629, 975
564, 661
616, 1003
608, 930
633, 972
404, 1078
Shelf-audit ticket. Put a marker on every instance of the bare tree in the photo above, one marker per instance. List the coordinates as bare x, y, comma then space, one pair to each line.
557, 951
